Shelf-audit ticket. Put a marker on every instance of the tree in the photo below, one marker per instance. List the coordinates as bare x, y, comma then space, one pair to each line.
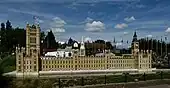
42, 37
2, 26
8, 25
49, 41
100, 41
109, 45
153, 44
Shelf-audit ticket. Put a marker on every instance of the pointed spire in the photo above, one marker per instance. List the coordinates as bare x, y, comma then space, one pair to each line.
82, 39
134, 37
114, 40
82, 47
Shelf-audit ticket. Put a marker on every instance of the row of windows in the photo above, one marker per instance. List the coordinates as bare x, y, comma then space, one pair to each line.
71, 66
59, 66
121, 58
27, 67
32, 34
145, 56
56, 62
86, 66
27, 62
122, 61
145, 61
145, 66
32, 39
85, 61
123, 65
91, 61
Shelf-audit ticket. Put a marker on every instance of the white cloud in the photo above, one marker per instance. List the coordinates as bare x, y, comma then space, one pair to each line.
168, 30
149, 36
73, 5
121, 26
95, 26
130, 19
34, 13
119, 44
88, 39
61, 42
140, 6
87, 20
57, 25
125, 33
37, 20
64, 1
40, 21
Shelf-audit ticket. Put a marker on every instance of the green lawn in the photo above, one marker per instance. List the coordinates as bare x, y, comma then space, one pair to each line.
113, 79
7, 64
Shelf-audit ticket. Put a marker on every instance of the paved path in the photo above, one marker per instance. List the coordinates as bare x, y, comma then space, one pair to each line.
158, 86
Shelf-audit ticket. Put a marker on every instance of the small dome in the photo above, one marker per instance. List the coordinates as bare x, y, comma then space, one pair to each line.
75, 45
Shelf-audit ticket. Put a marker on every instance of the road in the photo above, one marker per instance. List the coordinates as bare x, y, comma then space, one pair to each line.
158, 86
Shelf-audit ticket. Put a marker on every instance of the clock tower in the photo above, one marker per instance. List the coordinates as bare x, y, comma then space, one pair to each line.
135, 45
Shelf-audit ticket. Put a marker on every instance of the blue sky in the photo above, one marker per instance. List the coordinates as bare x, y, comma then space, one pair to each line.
97, 19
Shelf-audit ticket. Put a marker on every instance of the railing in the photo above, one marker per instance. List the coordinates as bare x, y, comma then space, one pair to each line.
93, 80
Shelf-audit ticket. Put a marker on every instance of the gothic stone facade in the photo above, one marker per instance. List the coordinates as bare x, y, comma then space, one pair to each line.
29, 60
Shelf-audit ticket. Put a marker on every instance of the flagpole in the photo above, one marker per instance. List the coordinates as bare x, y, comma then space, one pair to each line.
122, 43
104, 46
144, 43
92, 48
151, 44
147, 44
114, 43
127, 47
166, 45
156, 45
166, 48
161, 45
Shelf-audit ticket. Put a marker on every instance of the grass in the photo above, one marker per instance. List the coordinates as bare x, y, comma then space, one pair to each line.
79, 81
114, 79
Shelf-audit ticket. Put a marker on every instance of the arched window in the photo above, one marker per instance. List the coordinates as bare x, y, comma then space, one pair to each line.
34, 51
69, 54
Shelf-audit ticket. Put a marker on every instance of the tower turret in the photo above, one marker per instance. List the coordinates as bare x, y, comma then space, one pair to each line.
135, 45
134, 37
82, 48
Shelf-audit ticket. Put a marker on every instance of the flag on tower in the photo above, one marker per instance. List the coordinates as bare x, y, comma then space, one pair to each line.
34, 17
37, 20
